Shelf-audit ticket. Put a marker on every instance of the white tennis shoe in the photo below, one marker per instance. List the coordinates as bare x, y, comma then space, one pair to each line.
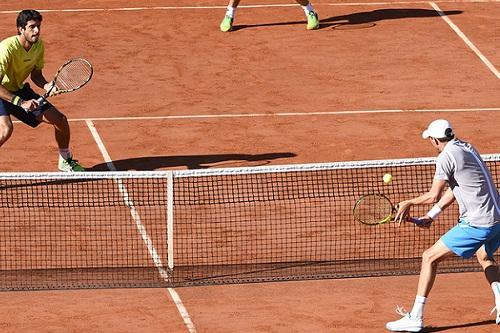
69, 165
405, 324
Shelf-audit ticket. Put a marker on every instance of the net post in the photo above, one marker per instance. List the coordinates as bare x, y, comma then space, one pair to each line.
170, 219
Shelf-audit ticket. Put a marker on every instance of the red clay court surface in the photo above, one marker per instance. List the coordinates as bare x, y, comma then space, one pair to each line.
172, 92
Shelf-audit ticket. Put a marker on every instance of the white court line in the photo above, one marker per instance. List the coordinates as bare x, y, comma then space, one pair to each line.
278, 114
466, 40
281, 114
129, 9
142, 229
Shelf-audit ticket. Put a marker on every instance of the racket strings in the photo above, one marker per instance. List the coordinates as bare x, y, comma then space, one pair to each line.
373, 209
73, 75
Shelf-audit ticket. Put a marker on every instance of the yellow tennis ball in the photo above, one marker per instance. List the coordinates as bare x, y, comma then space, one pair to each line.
387, 178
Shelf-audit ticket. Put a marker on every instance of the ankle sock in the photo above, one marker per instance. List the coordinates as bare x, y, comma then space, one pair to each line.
418, 307
307, 9
65, 153
230, 11
495, 286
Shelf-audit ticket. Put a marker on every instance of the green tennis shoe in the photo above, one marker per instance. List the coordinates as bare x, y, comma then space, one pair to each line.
70, 165
312, 21
226, 24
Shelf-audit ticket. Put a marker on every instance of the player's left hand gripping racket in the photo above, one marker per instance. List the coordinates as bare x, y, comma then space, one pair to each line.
71, 76
376, 208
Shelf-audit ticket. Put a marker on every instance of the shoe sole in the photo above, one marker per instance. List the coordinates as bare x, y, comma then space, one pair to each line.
407, 329
71, 170
226, 30
316, 27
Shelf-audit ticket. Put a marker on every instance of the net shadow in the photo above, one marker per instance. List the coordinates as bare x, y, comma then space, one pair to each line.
191, 161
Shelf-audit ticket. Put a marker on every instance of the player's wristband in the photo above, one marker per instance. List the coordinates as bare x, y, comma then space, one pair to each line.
434, 212
16, 100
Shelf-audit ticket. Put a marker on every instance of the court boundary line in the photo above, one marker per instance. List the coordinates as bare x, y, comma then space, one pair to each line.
283, 114
466, 40
279, 114
129, 9
142, 230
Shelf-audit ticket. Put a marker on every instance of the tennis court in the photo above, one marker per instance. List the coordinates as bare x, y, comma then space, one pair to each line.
171, 92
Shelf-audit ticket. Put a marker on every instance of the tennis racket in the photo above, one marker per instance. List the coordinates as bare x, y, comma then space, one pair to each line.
71, 76
376, 208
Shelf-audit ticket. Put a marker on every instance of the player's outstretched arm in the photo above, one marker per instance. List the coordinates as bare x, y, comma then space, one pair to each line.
431, 196
446, 200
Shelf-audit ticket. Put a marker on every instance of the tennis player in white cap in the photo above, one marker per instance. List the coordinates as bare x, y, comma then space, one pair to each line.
469, 181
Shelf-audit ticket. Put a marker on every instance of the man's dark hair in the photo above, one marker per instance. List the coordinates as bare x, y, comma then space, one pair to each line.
25, 16
449, 136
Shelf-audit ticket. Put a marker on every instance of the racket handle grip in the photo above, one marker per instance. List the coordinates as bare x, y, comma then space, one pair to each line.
415, 221
41, 102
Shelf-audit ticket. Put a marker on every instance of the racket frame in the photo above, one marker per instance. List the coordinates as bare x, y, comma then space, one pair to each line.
42, 100
388, 218
380, 196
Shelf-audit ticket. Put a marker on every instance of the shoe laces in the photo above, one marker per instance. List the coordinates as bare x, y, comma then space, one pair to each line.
493, 310
497, 308
401, 311
71, 161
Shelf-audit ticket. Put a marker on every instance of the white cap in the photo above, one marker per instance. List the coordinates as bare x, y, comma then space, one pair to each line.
438, 129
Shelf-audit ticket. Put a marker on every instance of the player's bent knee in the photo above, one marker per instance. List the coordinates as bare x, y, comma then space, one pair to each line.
427, 256
430, 257
481, 256
5, 132
63, 119
55, 117
484, 259
436, 253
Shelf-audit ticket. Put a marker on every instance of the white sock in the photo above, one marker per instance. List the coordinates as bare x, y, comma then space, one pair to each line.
65, 153
230, 11
418, 307
309, 8
496, 291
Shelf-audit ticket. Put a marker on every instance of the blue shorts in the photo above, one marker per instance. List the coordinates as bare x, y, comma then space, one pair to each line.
26, 93
464, 239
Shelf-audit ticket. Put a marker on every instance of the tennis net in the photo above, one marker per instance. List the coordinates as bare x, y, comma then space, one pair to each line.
211, 226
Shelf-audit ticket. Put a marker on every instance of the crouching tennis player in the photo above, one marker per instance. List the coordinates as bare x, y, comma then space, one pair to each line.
22, 56
459, 166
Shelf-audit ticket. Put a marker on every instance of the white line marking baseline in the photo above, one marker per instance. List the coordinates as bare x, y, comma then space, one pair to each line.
142, 230
279, 114
284, 114
466, 40
129, 9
